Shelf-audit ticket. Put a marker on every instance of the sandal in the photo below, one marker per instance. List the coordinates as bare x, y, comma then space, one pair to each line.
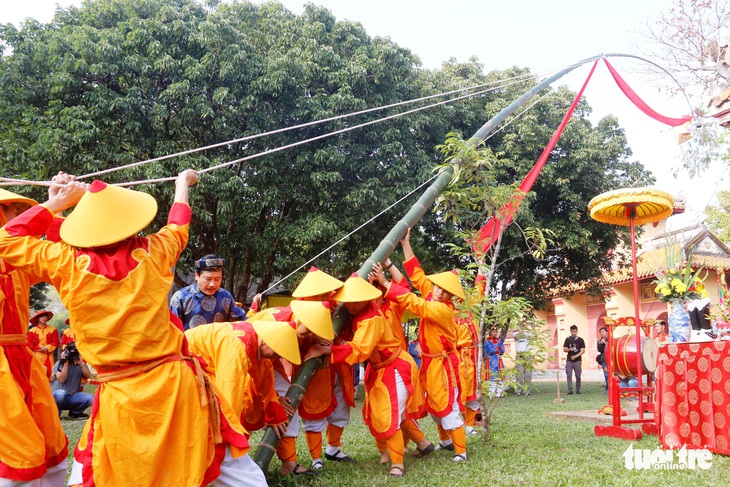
400, 472
422, 453
306, 471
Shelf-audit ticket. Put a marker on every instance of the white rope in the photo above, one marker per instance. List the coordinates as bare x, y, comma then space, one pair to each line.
311, 139
511, 81
303, 125
349, 234
507, 124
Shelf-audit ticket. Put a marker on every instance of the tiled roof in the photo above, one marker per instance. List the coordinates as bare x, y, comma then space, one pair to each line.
651, 260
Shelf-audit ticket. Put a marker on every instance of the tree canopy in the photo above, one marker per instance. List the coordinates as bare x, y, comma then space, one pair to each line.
718, 216
119, 81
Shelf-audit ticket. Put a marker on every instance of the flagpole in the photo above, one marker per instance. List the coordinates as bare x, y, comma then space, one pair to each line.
267, 446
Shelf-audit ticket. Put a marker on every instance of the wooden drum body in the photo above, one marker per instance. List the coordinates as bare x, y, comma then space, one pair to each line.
624, 356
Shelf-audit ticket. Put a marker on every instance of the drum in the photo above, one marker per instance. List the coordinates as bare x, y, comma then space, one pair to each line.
624, 355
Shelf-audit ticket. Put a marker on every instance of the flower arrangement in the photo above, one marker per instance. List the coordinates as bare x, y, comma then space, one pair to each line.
676, 280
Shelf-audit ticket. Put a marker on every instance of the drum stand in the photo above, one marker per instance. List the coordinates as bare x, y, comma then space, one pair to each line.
617, 429
619, 207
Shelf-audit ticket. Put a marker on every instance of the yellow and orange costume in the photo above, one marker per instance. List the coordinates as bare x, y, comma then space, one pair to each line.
467, 345
32, 438
393, 312
387, 363
229, 353
286, 449
67, 337
439, 375
32, 444
156, 419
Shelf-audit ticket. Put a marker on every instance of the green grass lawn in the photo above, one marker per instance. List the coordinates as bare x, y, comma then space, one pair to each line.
526, 447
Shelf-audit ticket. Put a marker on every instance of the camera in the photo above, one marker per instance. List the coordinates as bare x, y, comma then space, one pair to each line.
72, 355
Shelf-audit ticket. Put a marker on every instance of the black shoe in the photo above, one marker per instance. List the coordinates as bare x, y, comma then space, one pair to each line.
336, 458
304, 471
570, 393
78, 416
422, 453
441, 446
577, 392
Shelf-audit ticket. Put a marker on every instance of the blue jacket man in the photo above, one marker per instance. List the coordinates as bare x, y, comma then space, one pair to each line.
206, 301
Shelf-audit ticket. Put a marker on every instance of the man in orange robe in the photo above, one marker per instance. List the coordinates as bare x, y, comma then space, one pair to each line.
238, 359
156, 418
43, 339
392, 392
33, 446
437, 333
393, 312
467, 345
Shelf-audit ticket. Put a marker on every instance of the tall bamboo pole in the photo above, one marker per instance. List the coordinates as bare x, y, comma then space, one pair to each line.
267, 446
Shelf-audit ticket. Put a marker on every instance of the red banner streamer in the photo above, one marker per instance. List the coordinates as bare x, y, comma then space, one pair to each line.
491, 230
640, 104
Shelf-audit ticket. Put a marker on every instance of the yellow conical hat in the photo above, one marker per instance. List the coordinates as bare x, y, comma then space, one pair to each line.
107, 214
448, 281
10, 197
356, 290
316, 283
316, 316
281, 337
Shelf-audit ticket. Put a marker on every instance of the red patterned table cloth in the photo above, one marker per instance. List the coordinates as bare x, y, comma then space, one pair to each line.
693, 396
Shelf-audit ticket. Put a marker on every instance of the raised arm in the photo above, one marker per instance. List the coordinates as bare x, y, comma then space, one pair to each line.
182, 184
395, 273
405, 244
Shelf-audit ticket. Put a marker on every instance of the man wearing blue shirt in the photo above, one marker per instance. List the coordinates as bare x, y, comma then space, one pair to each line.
206, 301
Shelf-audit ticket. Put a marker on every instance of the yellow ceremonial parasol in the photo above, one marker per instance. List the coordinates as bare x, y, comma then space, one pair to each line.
649, 205
629, 207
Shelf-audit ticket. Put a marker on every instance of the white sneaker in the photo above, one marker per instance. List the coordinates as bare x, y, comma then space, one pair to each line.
317, 465
459, 457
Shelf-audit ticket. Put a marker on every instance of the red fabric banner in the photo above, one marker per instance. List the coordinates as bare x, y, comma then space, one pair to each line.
489, 233
640, 104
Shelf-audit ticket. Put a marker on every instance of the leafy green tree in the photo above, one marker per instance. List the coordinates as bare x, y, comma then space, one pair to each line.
687, 39
119, 81
718, 216
132, 80
38, 298
586, 161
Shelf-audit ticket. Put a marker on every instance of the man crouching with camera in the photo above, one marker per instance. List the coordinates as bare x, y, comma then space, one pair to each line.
66, 385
